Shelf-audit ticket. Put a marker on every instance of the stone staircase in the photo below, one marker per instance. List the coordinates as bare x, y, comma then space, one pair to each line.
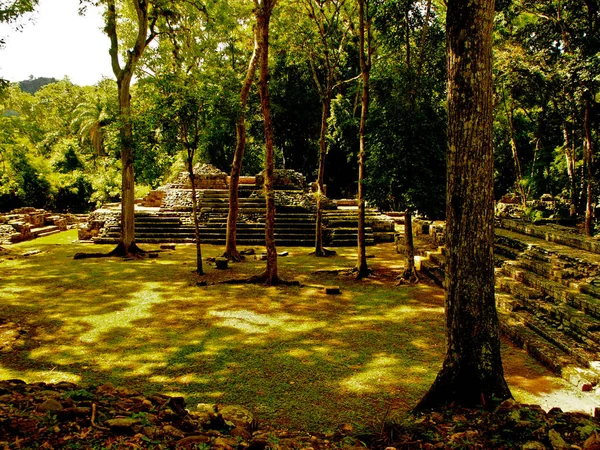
294, 225
548, 300
548, 295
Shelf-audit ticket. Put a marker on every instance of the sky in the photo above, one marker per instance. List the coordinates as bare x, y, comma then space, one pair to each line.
56, 42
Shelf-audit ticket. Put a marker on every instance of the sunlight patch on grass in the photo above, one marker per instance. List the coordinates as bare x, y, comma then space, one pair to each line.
32, 376
251, 322
140, 306
421, 343
379, 374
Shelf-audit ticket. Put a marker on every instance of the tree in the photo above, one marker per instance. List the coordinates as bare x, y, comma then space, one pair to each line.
407, 138
183, 121
329, 22
10, 12
90, 119
472, 374
145, 33
263, 10
365, 54
231, 251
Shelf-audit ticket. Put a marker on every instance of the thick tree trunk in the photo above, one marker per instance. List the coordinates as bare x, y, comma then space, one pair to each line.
127, 178
127, 245
472, 374
362, 269
231, 251
263, 17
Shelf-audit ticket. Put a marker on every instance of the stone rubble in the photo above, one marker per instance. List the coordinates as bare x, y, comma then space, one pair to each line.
65, 415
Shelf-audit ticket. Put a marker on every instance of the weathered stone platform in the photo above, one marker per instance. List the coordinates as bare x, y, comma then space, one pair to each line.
548, 295
24, 224
165, 215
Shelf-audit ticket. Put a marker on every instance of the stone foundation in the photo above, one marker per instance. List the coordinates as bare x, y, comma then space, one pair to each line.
27, 223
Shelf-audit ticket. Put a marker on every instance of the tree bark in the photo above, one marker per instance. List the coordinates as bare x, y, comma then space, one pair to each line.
472, 374
231, 251
263, 12
589, 161
362, 269
127, 245
190, 164
326, 107
410, 273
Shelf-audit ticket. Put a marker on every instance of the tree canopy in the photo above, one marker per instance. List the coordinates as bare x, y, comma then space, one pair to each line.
546, 77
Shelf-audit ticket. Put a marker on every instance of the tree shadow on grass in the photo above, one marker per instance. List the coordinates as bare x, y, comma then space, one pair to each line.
298, 357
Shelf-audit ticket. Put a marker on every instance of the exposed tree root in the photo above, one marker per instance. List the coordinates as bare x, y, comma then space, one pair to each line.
361, 273
134, 252
323, 253
409, 276
262, 279
335, 271
234, 256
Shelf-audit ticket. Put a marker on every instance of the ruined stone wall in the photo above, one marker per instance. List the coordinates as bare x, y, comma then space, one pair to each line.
24, 223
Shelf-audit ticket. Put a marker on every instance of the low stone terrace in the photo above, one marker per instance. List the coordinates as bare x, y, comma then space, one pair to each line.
548, 295
165, 214
24, 224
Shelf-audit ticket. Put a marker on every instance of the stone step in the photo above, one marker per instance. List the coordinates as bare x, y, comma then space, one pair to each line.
561, 362
558, 234
556, 290
45, 231
572, 321
506, 251
508, 240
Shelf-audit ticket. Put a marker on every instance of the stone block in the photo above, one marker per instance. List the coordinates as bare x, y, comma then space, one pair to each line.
332, 290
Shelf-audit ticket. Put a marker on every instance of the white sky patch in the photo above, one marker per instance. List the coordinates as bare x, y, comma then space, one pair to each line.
56, 41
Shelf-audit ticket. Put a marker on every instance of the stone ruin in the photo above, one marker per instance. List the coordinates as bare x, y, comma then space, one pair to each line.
290, 188
28, 223
169, 207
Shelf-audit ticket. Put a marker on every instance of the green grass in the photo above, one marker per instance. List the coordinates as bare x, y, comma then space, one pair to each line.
295, 356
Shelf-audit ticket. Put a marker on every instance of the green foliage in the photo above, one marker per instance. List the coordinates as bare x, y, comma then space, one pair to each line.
546, 64
79, 394
407, 137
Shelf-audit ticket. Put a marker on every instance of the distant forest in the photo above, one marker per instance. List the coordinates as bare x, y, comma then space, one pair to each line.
32, 85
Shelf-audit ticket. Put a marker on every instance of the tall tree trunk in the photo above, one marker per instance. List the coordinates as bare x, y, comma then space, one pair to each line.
263, 12
570, 161
127, 242
190, 164
331, 57
472, 374
362, 269
410, 273
231, 251
145, 34
589, 161
325, 113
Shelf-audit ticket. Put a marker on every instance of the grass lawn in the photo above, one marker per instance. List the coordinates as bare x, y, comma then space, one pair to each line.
298, 358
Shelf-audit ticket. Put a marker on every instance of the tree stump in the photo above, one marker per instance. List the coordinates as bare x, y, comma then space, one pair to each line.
221, 263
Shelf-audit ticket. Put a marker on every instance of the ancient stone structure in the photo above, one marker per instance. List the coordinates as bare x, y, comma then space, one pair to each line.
548, 295
28, 223
165, 214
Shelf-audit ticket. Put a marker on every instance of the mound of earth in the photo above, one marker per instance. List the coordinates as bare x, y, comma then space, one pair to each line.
64, 415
